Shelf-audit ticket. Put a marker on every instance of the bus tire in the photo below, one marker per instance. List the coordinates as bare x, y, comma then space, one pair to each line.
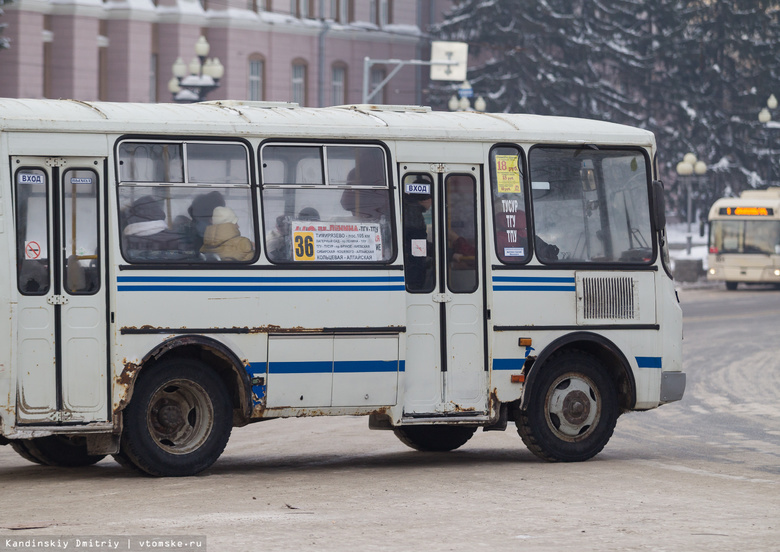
731, 286
178, 421
434, 438
571, 411
57, 450
21, 448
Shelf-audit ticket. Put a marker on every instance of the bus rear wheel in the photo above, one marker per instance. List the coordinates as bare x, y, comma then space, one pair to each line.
57, 450
731, 286
571, 411
434, 438
178, 421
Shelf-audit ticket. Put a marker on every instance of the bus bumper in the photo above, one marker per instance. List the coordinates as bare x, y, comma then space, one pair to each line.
672, 386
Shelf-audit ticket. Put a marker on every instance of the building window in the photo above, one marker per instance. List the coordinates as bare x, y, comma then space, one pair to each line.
338, 85
380, 12
299, 82
256, 78
376, 78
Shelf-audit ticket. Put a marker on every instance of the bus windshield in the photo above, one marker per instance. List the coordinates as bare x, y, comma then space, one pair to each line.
745, 236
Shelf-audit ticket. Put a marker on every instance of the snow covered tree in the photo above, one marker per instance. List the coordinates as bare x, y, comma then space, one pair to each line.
4, 42
695, 72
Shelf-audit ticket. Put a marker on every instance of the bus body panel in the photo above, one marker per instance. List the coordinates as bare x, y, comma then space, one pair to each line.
305, 339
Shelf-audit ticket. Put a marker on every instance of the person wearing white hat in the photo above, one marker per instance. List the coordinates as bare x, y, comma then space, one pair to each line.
224, 239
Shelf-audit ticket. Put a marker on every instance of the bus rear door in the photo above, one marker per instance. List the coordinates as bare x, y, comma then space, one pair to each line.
445, 355
61, 355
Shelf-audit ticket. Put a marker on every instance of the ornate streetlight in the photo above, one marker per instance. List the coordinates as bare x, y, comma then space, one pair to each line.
192, 83
689, 169
461, 101
764, 116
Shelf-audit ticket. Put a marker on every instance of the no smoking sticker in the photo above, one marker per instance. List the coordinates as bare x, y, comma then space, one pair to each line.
32, 250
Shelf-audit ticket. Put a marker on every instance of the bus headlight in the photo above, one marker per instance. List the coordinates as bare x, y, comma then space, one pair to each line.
777, 272
713, 271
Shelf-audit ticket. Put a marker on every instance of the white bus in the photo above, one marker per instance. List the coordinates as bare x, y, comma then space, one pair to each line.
178, 270
744, 239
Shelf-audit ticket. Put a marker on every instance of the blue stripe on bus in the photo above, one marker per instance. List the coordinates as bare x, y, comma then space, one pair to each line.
534, 288
340, 366
532, 283
258, 279
263, 283
648, 362
544, 279
259, 288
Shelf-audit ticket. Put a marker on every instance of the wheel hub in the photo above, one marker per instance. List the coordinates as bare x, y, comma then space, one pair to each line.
576, 407
170, 418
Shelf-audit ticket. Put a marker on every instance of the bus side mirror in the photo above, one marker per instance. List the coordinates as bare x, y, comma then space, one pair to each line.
659, 205
701, 229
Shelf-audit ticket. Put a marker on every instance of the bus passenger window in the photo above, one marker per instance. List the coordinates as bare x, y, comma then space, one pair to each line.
186, 221
346, 218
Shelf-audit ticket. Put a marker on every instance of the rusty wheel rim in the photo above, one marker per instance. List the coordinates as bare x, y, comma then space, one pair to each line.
180, 416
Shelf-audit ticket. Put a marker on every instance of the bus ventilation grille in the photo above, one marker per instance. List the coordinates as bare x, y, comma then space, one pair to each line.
609, 298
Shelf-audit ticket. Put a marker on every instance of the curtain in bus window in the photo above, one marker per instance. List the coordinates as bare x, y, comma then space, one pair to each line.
80, 213
32, 234
509, 212
186, 224
590, 205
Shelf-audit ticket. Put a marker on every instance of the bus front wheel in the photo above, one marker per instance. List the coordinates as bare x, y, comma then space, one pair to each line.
731, 286
434, 438
179, 419
571, 411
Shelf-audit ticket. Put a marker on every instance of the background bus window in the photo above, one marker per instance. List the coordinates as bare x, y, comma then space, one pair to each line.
509, 212
348, 219
590, 205
32, 235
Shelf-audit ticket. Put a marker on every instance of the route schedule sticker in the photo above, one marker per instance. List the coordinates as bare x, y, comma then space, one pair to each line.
508, 175
334, 242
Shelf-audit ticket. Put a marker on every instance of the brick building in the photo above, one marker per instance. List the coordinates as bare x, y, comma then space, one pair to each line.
306, 51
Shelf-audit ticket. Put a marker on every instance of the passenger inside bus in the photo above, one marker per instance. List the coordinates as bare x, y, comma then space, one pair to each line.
146, 234
222, 239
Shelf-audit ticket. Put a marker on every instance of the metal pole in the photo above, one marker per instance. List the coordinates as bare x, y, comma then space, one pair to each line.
688, 238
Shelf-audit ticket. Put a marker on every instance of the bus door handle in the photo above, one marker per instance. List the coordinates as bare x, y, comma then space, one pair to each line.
442, 297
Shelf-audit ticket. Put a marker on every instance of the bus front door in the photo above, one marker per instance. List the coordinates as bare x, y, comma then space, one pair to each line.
61, 353
445, 337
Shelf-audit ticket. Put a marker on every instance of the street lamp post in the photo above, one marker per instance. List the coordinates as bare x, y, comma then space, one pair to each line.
689, 169
764, 116
192, 83
461, 101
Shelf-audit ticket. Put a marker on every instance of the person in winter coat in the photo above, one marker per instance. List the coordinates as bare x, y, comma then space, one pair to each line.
224, 239
146, 235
